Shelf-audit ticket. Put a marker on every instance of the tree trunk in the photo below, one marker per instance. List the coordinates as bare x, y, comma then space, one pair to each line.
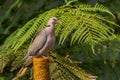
41, 69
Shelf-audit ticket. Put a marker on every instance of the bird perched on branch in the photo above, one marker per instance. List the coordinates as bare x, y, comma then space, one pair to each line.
42, 43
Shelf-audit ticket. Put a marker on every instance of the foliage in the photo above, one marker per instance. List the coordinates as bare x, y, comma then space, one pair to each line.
61, 67
86, 27
15, 13
113, 6
85, 30
105, 62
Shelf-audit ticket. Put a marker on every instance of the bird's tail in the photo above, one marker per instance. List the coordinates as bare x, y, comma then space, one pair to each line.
20, 73
24, 68
26, 56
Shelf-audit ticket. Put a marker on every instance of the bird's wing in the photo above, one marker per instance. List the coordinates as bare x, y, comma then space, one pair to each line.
37, 33
38, 42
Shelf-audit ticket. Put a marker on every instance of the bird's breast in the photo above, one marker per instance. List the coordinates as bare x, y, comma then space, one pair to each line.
51, 39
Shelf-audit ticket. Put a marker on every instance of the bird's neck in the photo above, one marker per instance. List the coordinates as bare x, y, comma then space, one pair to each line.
50, 29
51, 24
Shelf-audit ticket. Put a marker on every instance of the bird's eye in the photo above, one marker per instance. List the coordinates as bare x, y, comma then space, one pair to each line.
54, 19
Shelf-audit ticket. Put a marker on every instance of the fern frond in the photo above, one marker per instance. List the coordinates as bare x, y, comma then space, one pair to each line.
82, 25
5, 58
7, 13
12, 39
109, 50
72, 68
58, 71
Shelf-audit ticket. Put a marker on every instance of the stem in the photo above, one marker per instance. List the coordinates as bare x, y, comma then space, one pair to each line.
41, 69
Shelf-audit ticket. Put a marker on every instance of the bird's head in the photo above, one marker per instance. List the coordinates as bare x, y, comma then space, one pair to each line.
53, 20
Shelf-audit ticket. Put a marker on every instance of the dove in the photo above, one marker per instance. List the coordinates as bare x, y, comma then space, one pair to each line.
42, 43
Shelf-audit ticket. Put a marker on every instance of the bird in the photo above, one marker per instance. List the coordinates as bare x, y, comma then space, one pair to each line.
42, 43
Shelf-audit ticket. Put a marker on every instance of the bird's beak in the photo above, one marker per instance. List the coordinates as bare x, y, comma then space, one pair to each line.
58, 22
